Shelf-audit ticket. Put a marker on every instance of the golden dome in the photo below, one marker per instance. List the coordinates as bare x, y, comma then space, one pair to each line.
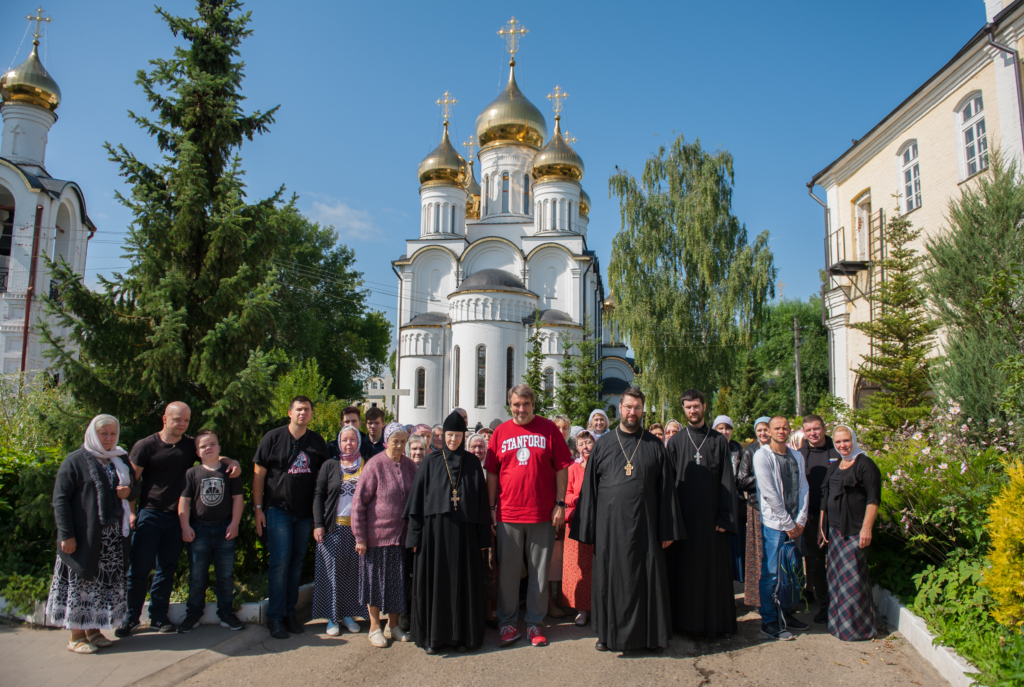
30, 83
557, 160
473, 189
511, 118
443, 165
584, 203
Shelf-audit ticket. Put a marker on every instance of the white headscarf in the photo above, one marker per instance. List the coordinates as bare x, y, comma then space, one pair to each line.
855, 450
590, 420
92, 444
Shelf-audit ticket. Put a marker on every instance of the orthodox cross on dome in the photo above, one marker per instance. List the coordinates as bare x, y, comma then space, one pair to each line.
470, 145
38, 19
512, 33
569, 138
446, 106
557, 99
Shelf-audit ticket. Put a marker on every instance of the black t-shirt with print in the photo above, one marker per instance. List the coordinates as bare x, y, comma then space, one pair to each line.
292, 466
163, 469
211, 491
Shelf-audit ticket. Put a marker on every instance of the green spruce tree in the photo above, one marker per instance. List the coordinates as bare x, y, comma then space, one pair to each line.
535, 368
565, 387
189, 319
587, 378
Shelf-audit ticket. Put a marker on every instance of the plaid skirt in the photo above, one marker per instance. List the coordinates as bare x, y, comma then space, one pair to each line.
851, 609
752, 561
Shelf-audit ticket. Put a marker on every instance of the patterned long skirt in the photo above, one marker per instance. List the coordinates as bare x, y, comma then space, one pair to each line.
577, 563
851, 609
755, 549
100, 603
382, 579
336, 581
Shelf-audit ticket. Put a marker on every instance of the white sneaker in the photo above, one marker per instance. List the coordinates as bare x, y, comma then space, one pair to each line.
400, 635
351, 625
377, 639
583, 618
333, 629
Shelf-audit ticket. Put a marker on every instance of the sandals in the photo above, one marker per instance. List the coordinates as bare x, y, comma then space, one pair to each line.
82, 646
98, 640
377, 639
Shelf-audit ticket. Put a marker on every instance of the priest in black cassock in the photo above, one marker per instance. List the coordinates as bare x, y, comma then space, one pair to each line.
449, 525
628, 510
699, 572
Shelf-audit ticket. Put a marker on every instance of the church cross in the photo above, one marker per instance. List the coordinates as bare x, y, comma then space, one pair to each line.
629, 469
38, 19
446, 105
569, 138
455, 498
470, 145
512, 33
557, 99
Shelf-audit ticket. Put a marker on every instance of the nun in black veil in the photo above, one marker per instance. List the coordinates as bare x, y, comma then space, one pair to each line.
449, 524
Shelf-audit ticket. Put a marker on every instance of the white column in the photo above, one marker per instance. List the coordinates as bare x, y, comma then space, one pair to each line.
838, 324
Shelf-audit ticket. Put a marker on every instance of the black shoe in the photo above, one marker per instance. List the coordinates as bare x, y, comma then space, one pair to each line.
432, 651
462, 648
293, 625
277, 629
163, 626
775, 632
656, 649
125, 629
403, 622
822, 616
794, 623
491, 623
601, 646
188, 624
232, 622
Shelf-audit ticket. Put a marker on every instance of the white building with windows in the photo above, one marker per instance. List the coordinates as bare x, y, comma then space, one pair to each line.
39, 215
489, 255
932, 146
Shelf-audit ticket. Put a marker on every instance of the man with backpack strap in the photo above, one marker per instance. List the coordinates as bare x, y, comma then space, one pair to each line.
782, 494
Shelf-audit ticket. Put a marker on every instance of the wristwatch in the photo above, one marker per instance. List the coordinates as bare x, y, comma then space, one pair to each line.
560, 504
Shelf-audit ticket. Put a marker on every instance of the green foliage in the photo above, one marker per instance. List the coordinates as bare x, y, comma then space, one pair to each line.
565, 387
578, 391
1005, 577
746, 397
305, 380
903, 333
21, 592
687, 286
1004, 308
535, 369
834, 411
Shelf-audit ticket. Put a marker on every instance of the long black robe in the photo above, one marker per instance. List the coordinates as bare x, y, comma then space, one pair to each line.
626, 517
447, 587
699, 570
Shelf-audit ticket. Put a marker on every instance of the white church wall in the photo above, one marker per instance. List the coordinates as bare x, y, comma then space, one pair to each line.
495, 338
551, 279
433, 279
496, 161
492, 254
410, 410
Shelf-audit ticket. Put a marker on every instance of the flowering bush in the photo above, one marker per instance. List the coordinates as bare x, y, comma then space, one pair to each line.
1005, 576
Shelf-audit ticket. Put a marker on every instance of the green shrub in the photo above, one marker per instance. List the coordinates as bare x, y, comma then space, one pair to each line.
1005, 578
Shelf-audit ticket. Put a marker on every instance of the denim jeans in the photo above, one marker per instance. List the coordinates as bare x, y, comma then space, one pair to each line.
287, 539
156, 544
210, 545
773, 539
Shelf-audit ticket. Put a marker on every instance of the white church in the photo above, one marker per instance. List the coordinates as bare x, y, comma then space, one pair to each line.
492, 253
39, 215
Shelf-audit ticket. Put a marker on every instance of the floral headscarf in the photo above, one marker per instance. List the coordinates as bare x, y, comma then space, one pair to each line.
391, 429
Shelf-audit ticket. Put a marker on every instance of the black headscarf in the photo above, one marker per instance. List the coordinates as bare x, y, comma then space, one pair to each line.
432, 489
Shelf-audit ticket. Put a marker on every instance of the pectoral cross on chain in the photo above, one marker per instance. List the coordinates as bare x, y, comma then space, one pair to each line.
629, 469
698, 457
455, 498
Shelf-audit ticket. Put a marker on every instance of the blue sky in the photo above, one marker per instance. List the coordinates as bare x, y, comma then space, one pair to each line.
783, 86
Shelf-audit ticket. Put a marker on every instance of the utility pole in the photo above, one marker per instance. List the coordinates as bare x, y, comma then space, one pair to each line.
796, 363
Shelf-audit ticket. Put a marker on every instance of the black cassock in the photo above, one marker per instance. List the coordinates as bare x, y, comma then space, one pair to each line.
699, 572
626, 517
447, 587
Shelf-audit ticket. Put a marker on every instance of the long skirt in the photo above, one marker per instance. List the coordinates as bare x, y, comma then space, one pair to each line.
737, 551
577, 565
382, 578
851, 609
755, 549
100, 603
336, 581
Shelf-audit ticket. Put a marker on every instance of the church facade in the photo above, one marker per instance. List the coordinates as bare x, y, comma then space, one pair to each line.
494, 261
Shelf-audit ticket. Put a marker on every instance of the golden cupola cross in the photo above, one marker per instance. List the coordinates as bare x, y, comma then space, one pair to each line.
447, 104
513, 32
38, 19
470, 146
557, 98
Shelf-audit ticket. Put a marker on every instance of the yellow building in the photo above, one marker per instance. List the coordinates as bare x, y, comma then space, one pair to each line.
934, 144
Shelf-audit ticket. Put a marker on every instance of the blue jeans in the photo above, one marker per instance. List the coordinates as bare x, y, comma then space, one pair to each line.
210, 545
773, 539
287, 539
156, 544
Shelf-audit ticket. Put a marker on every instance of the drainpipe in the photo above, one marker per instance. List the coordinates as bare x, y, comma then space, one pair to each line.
398, 346
991, 28
31, 290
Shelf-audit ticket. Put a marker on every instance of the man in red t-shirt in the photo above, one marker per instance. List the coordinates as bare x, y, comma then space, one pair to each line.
527, 472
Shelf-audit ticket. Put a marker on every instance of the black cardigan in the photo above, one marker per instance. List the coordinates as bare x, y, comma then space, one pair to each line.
328, 491
862, 485
76, 508
745, 483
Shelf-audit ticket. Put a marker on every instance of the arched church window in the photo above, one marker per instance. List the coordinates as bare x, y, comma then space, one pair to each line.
526, 194
421, 387
451, 229
487, 193
554, 210
570, 216
481, 376
549, 380
437, 218
510, 368
504, 192
458, 361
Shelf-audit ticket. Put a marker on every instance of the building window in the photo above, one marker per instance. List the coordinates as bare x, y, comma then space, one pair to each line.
554, 224
510, 368
972, 124
911, 177
421, 387
487, 193
549, 380
458, 361
570, 216
481, 376
526, 194
451, 229
437, 218
504, 192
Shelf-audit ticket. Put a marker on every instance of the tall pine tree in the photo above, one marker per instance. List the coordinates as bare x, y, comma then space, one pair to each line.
535, 369
189, 319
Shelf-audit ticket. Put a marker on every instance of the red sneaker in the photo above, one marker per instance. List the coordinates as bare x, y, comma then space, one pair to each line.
508, 634
536, 638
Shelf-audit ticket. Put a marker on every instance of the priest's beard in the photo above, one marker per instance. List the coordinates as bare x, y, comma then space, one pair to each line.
630, 425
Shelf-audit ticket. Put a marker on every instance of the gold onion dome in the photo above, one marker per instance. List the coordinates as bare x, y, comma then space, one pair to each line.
511, 118
30, 83
584, 203
557, 160
443, 165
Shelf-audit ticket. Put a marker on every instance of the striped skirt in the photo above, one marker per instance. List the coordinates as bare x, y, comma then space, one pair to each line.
336, 581
851, 609
752, 563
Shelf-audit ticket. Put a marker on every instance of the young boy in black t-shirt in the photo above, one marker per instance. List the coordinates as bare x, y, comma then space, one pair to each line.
210, 510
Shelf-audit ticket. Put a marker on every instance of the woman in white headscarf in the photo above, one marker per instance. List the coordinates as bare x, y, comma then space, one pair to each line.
597, 424
89, 591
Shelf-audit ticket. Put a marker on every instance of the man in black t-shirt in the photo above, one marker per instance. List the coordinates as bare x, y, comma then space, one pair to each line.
160, 462
286, 466
373, 440
819, 452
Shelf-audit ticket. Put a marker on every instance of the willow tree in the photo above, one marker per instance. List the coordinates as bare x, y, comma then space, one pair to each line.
687, 286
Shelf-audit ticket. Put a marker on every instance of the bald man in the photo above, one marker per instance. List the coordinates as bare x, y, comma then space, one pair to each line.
160, 462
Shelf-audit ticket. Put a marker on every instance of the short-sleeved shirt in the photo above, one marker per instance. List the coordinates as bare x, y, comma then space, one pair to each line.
163, 470
211, 491
525, 459
292, 466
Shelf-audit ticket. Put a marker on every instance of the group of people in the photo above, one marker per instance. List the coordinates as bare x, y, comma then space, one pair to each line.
432, 532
